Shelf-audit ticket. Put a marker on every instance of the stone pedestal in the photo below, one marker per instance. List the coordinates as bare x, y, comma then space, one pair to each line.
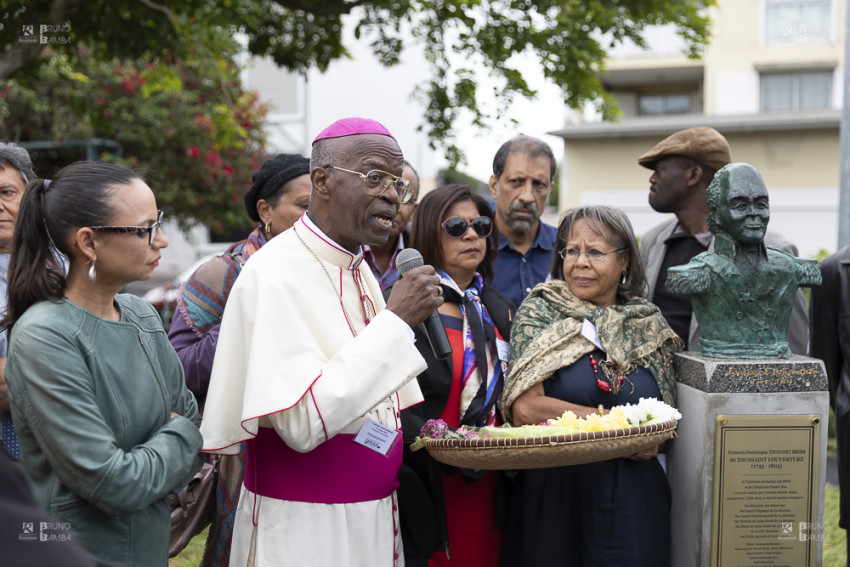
708, 387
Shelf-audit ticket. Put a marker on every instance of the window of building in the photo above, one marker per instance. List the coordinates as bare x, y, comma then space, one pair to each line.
797, 21
657, 104
796, 91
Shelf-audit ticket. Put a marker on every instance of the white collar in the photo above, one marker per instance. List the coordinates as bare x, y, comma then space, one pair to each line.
353, 260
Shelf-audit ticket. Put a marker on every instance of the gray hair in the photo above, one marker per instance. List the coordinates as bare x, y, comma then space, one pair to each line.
415, 197
532, 147
15, 156
613, 224
325, 152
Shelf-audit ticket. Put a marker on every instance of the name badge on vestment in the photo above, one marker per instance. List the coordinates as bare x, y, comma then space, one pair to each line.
377, 437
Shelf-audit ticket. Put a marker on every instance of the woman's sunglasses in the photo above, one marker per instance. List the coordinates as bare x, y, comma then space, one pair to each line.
456, 227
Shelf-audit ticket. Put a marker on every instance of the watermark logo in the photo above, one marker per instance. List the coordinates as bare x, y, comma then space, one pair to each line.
47, 531
46, 34
27, 532
27, 34
803, 33
55, 34
810, 531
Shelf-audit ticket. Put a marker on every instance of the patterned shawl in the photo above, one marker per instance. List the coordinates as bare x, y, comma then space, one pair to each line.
546, 336
203, 295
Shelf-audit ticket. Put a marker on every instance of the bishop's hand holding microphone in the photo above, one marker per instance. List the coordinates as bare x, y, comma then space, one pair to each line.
416, 297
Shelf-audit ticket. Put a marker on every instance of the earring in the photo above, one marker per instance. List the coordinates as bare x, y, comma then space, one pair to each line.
623, 279
92, 272
268, 228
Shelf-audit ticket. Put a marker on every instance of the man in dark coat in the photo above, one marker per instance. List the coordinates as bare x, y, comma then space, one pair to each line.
683, 165
829, 314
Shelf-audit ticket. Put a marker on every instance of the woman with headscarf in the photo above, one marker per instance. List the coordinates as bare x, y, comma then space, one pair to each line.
455, 511
586, 339
278, 197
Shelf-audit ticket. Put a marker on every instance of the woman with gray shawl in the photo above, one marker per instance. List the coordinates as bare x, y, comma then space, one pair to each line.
586, 339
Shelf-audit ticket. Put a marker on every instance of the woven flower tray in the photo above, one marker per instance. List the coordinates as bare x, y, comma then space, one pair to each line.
549, 451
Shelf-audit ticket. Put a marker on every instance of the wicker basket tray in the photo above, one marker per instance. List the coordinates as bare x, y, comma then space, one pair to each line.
550, 451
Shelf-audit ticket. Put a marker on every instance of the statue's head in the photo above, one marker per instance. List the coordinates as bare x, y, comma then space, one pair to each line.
738, 204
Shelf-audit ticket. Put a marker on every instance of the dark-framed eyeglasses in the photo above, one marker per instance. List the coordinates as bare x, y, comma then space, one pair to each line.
592, 255
376, 182
456, 227
152, 230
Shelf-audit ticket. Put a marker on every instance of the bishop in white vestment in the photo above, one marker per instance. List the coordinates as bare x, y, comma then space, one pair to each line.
307, 356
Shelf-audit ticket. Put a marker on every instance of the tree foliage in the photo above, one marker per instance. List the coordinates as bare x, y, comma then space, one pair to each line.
568, 37
191, 128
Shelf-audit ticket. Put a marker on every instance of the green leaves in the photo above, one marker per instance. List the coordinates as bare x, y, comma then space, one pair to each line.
189, 124
569, 38
160, 78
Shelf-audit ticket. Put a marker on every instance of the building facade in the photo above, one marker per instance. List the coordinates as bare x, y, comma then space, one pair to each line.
771, 81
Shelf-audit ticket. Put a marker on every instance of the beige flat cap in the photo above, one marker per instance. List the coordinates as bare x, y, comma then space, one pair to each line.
703, 144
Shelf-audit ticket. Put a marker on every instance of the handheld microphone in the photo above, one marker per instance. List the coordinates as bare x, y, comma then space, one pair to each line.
406, 260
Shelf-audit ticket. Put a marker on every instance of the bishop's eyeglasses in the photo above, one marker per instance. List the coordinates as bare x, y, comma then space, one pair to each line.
376, 182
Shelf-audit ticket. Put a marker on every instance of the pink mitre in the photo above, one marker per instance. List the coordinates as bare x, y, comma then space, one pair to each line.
352, 127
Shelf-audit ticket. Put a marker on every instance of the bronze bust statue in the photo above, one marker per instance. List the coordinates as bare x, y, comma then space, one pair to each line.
743, 291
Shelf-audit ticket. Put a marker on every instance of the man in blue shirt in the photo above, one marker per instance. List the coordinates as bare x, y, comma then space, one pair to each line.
523, 171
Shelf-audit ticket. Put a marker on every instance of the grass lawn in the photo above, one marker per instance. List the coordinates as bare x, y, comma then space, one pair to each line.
834, 544
193, 553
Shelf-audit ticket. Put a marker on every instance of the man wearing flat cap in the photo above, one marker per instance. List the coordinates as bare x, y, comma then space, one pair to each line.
683, 165
312, 368
278, 196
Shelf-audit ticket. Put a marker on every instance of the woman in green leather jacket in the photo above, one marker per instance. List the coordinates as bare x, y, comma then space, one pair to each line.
105, 423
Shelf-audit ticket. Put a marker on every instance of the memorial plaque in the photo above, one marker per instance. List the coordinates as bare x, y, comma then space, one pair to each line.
765, 491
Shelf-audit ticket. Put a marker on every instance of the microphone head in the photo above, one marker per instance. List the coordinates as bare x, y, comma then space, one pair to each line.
408, 259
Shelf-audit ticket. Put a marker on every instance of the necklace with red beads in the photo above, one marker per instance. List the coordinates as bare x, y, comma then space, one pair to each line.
607, 385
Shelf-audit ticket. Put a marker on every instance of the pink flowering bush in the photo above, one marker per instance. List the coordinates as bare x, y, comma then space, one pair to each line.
188, 124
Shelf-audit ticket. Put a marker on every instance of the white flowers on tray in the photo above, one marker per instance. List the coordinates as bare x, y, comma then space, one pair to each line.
648, 411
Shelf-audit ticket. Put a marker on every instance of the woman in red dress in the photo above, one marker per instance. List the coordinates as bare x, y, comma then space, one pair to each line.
446, 513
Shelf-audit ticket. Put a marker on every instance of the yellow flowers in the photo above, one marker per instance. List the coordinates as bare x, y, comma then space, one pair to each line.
647, 411
616, 419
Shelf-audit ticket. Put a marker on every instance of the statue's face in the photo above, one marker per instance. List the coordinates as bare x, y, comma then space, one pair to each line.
747, 209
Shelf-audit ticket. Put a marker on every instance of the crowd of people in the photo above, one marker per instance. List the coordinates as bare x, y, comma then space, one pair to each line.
304, 349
